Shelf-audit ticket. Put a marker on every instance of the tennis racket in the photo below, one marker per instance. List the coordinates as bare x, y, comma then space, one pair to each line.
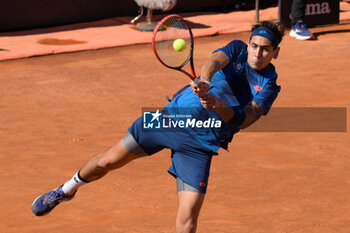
169, 31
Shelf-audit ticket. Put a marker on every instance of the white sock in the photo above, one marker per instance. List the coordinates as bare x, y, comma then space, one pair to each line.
73, 184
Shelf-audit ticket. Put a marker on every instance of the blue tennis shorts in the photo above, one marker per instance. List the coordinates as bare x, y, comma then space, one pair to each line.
190, 160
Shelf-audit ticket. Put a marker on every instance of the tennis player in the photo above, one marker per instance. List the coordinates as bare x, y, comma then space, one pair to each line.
236, 87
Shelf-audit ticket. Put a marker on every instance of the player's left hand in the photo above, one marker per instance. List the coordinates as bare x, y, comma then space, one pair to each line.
210, 101
200, 88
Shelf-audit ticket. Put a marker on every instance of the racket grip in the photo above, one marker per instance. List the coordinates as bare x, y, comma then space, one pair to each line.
197, 80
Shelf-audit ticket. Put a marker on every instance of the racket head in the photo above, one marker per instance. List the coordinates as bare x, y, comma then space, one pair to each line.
168, 30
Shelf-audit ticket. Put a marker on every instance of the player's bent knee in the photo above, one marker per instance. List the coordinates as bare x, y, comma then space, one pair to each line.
111, 160
103, 163
108, 164
186, 227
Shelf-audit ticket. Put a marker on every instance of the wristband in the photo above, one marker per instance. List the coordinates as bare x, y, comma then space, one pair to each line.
238, 118
206, 82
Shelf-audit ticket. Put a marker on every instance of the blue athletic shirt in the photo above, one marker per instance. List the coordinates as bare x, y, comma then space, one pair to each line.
235, 85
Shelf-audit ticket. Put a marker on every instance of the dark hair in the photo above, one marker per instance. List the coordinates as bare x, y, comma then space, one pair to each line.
276, 27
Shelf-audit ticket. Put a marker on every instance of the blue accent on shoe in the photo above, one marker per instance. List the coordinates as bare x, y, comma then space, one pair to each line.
300, 31
43, 204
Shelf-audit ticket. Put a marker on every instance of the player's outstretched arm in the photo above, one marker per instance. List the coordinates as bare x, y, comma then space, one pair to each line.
216, 62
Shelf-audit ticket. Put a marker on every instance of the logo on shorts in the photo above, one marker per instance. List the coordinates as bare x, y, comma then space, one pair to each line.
202, 184
151, 120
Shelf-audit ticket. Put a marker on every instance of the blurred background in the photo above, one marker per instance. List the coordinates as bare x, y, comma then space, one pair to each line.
20, 15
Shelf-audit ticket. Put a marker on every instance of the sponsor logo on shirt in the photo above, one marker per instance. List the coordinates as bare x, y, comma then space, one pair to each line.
258, 88
238, 67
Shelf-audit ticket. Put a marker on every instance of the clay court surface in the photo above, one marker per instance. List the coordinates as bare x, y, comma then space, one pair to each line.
58, 111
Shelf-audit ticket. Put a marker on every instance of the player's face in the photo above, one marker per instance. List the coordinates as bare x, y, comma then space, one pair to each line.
261, 52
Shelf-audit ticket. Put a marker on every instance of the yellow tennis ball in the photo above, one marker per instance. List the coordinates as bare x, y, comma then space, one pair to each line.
179, 45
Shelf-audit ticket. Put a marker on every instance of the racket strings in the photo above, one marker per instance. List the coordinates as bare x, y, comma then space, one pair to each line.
168, 32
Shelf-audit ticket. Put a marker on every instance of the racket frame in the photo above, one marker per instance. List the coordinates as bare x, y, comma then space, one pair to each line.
190, 57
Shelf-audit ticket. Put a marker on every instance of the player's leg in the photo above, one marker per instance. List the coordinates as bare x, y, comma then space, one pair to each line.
114, 158
190, 203
119, 155
191, 167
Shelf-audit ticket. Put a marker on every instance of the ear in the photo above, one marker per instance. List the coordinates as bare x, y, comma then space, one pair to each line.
277, 51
